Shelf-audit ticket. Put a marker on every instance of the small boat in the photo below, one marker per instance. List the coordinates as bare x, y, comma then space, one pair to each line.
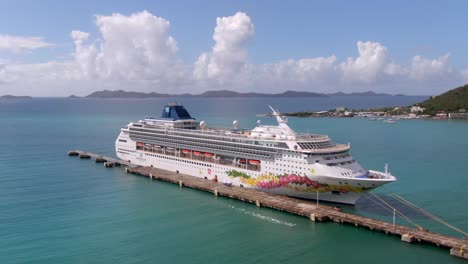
254, 162
156, 146
170, 149
186, 151
197, 153
390, 121
242, 161
209, 155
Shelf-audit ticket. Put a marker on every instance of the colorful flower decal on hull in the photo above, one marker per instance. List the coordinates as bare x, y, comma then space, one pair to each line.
291, 181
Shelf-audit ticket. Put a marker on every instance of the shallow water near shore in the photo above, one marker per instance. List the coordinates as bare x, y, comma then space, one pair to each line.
58, 209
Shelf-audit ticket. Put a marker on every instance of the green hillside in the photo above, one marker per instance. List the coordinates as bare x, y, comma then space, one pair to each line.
450, 101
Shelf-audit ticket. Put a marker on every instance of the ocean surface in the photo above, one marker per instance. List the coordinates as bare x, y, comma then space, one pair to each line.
60, 209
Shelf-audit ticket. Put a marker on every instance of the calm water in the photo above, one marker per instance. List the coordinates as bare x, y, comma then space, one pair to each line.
57, 209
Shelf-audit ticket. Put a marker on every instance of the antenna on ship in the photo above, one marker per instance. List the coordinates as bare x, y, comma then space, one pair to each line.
203, 125
235, 124
386, 168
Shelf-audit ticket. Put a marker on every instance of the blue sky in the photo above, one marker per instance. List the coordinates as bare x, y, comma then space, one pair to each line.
281, 31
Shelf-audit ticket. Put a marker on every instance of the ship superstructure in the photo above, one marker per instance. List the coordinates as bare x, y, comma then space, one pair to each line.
269, 158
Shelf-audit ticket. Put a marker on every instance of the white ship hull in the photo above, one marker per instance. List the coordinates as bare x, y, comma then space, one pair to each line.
337, 190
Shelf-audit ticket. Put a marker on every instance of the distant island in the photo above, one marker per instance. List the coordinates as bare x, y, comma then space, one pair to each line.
15, 97
222, 94
451, 101
73, 96
451, 104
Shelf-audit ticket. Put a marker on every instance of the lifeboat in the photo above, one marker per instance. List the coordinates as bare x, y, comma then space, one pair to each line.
148, 145
254, 162
186, 151
197, 153
242, 161
156, 146
209, 155
140, 144
170, 149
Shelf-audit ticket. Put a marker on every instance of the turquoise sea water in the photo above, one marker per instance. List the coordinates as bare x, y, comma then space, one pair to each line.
57, 209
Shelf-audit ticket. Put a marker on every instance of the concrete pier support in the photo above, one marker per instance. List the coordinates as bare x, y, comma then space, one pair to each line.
407, 238
312, 217
181, 183
151, 176
257, 203
459, 252
126, 170
215, 192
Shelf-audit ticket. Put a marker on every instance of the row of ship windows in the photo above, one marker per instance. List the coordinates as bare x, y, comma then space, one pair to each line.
337, 157
133, 151
282, 171
203, 137
353, 172
227, 146
223, 149
341, 163
289, 166
182, 160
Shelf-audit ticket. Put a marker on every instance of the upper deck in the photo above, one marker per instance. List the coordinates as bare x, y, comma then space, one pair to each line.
281, 136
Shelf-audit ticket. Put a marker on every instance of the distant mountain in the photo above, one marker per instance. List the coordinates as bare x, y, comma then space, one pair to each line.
208, 94
450, 101
15, 97
368, 93
73, 96
224, 94
124, 94
232, 94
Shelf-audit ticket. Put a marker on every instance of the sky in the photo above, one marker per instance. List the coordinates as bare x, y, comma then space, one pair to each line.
59, 48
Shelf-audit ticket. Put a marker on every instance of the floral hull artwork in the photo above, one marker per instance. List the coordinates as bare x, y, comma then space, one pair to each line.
292, 181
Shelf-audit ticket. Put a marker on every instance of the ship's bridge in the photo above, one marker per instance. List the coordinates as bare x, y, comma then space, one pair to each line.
174, 116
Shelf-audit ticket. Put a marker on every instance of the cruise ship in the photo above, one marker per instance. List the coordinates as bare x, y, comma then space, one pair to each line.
269, 158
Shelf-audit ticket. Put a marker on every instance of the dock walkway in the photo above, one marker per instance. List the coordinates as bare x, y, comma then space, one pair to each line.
99, 158
458, 247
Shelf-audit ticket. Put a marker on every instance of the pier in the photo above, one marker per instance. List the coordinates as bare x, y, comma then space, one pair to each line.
108, 161
317, 213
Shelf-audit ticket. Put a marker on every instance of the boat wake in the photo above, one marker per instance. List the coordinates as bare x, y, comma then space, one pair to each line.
263, 217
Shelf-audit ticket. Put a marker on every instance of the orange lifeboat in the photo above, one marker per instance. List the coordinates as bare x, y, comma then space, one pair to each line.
254, 162
209, 155
197, 153
186, 151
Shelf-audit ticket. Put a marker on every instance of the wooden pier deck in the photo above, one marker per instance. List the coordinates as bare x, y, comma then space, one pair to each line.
458, 247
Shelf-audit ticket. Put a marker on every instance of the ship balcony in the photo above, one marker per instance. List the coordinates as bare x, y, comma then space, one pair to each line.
242, 163
335, 148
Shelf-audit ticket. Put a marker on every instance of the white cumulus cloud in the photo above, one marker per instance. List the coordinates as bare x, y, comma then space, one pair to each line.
371, 61
18, 43
229, 55
135, 47
137, 52
424, 69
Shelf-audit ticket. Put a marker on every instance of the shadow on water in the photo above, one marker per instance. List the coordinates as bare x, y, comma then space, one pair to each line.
368, 204
372, 205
